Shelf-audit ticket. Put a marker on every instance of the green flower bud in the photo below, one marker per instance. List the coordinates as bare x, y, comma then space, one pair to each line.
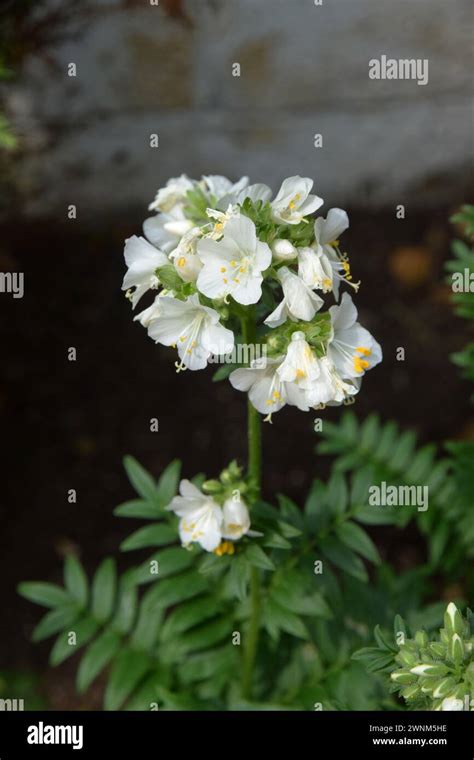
211, 486
438, 650
444, 687
402, 677
456, 649
430, 669
421, 638
410, 692
453, 621
407, 658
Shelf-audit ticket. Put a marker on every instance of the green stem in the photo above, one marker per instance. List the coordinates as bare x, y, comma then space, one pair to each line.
255, 477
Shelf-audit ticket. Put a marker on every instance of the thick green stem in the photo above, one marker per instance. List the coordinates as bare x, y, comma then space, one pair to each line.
255, 477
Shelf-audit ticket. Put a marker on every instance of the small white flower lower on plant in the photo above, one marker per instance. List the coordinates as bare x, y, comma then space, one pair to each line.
234, 265
329, 387
236, 519
173, 193
299, 301
293, 201
283, 250
201, 518
256, 192
142, 260
166, 230
352, 348
193, 328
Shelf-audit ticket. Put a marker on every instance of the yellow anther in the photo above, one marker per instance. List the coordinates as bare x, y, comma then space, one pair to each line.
300, 373
360, 364
233, 263
363, 350
181, 261
327, 283
223, 269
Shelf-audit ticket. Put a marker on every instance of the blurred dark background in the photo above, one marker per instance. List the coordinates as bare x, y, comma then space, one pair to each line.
85, 140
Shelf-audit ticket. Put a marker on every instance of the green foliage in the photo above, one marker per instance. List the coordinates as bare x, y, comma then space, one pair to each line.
459, 266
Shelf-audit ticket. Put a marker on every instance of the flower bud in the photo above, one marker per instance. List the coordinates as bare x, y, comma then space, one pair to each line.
211, 486
443, 687
402, 677
453, 620
283, 250
456, 649
430, 669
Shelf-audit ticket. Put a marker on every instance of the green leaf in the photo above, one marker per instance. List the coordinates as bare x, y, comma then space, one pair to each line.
146, 630
103, 590
96, 658
170, 561
187, 616
150, 535
55, 621
344, 559
140, 479
75, 580
290, 512
357, 539
177, 589
168, 482
279, 618
238, 577
126, 609
84, 629
46, 594
141, 509
257, 557
207, 635
337, 494
128, 670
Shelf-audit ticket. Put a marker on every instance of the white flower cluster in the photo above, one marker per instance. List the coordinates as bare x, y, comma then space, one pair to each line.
217, 252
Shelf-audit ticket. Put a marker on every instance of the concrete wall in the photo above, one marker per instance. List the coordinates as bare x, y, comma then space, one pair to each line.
304, 70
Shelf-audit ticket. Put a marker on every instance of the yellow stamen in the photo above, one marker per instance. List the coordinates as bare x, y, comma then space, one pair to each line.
181, 261
364, 351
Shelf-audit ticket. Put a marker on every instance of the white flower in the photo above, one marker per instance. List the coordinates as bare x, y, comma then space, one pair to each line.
293, 201
220, 220
194, 329
153, 311
351, 347
327, 231
329, 387
185, 259
299, 301
452, 704
264, 386
283, 250
173, 193
300, 364
201, 518
311, 382
166, 230
257, 192
234, 265
236, 519
142, 260
223, 189
315, 269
